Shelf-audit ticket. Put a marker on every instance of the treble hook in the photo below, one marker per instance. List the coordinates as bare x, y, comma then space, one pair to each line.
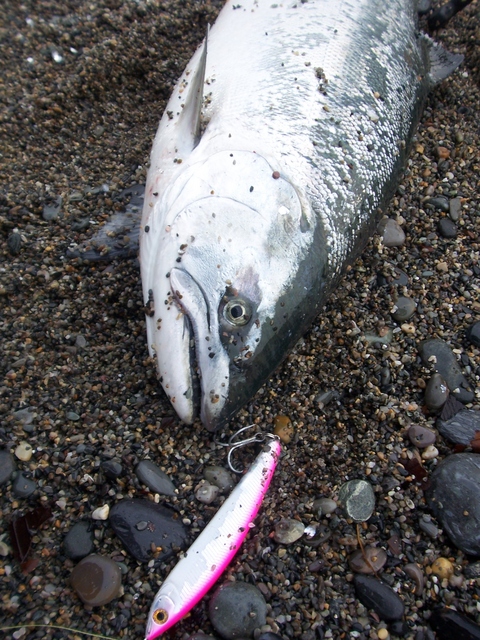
258, 437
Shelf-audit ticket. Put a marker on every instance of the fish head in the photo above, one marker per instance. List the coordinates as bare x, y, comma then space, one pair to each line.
220, 274
162, 615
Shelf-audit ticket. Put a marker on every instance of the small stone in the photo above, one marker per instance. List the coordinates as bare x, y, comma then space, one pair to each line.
24, 451
7, 466
443, 153
283, 428
455, 208
220, 477
236, 609
447, 228
78, 542
288, 530
52, 209
443, 568
472, 570
454, 498
155, 479
80, 341
438, 353
324, 506
358, 499
71, 415
427, 526
430, 453
378, 596
473, 334
383, 634
97, 580
440, 202
371, 560
413, 571
392, 233
112, 469
451, 625
436, 393
404, 309
14, 243
101, 513
24, 416
206, 493
163, 533
23, 487
421, 437
442, 266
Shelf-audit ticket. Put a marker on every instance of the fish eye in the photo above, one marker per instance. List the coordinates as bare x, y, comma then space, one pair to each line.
237, 312
160, 616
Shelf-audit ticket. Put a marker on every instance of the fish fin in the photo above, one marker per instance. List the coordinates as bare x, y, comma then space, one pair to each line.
190, 121
442, 62
119, 236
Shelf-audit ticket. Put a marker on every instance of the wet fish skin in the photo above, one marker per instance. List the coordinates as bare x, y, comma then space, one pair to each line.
282, 142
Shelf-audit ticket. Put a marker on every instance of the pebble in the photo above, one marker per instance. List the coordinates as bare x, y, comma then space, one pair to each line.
436, 392
358, 499
283, 428
392, 233
220, 477
413, 571
7, 466
378, 596
112, 469
324, 506
404, 309
443, 568
52, 210
473, 334
24, 451
23, 487
236, 609
288, 530
421, 437
71, 415
25, 416
97, 580
472, 570
101, 513
427, 526
14, 243
155, 479
454, 498
462, 428
207, 493
430, 453
371, 560
164, 529
447, 228
437, 353
451, 625
440, 202
455, 208
78, 543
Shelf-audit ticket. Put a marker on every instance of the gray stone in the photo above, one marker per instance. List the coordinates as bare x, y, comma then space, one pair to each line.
288, 530
7, 466
454, 498
455, 208
462, 428
438, 354
78, 542
112, 469
436, 392
473, 333
404, 309
155, 479
23, 487
207, 493
392, 233
323, 506
236, 609
421, 437
358, 499
440, 202
378, 596
220, 477
447, 228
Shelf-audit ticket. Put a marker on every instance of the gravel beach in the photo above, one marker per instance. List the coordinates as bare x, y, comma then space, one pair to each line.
83, 88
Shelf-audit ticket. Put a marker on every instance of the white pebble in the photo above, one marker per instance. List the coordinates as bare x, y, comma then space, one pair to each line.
101, 513
430, 452
24, 451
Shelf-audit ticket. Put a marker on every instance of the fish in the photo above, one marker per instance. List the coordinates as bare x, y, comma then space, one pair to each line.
212, 551
278, 150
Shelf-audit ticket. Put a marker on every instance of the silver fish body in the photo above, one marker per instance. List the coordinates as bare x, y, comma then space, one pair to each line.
279, 147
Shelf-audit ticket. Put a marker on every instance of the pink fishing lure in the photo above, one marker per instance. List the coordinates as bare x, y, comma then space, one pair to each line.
214, 548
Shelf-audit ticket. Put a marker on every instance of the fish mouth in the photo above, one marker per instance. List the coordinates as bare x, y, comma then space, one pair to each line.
208, 361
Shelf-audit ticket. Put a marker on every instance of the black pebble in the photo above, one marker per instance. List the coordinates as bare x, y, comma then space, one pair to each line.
377, 595
112, 469
451, 625
23, 487
447, 228
473, 334
78, 543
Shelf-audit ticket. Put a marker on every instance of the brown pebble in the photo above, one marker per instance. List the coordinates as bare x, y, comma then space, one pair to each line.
276, 175
443, 153
413, 571
97, 580
374, 562
443, 568
395, 545
283, 428
421, 437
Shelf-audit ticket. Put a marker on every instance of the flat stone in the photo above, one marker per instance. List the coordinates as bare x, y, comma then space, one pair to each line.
447, 228
404, 309
288, 530
164, 531
7, 466
462, 428
155, 479
24, 451
421, 437
23, 487
112, 469
451, 625
455, 208
440, 202
78, 542
207, 493
378, 596
454, 498
358, 499
97, 580
436, 392
370, 560
324, 506
439, 355
220, 477
236, 609
473, 333
392, 233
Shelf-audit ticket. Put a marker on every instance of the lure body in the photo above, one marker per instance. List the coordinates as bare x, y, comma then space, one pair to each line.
214, 548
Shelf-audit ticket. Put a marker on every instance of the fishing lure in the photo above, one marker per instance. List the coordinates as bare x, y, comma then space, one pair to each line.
215, 547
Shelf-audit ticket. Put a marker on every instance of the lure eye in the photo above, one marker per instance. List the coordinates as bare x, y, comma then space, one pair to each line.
237, 312
160, 616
